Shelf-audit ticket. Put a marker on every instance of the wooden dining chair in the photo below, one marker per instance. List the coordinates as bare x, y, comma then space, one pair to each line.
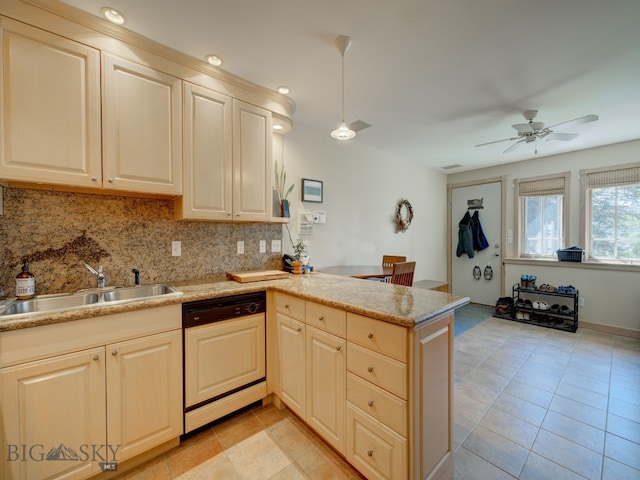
389, 260
403, 273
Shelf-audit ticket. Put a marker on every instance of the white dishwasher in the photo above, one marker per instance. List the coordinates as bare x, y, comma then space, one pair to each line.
224, 356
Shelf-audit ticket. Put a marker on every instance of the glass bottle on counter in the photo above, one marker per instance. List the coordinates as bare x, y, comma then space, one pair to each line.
25, 283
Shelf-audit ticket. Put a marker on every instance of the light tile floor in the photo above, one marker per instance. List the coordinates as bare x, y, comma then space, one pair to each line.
536, 403
530, 403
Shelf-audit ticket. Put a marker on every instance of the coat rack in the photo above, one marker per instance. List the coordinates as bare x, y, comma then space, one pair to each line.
475, 204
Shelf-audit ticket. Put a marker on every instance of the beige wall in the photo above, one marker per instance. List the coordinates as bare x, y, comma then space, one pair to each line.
611, 296
361, 189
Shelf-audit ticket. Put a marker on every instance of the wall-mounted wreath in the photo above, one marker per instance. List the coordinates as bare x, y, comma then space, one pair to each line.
404, 215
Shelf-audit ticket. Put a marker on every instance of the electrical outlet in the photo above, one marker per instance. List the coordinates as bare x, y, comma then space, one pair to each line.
263, 246
581, 301
240, 247
176, 248
276, 246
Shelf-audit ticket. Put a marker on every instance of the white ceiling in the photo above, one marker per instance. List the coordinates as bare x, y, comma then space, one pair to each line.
433, 77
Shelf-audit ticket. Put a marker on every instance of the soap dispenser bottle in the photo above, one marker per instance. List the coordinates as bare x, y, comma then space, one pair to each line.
25, 282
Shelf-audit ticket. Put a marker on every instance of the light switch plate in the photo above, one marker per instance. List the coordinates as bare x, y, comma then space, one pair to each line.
263, 246
276, 246
176, 248
240, 247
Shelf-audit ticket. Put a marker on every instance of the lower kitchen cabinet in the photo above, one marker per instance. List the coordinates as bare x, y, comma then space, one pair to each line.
66, 409
374, 449
144, 394
291, 334
326, 385
380, 393
51, 410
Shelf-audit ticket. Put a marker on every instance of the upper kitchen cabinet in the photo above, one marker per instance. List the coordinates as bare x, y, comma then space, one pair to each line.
207, 161
49, 107
228, 158
142, 128
252, 162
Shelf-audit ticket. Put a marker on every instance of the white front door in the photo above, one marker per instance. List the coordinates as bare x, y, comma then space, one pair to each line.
479, 277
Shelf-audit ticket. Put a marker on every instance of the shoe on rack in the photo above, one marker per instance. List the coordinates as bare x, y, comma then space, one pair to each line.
543, 306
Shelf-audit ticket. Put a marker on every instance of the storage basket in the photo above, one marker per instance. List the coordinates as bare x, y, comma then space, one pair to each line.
573, 254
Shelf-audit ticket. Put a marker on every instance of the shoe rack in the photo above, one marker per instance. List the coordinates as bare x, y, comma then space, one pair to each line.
538, 307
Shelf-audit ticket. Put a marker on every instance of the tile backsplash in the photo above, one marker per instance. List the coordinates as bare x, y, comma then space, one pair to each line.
59, 231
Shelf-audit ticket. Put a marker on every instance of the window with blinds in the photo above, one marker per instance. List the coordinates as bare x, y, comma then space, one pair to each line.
613, 213
542, 214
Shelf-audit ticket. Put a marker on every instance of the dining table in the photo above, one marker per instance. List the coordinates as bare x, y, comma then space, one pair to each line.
358, 271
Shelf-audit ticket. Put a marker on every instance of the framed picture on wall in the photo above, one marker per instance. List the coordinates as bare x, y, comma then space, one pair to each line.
311, 190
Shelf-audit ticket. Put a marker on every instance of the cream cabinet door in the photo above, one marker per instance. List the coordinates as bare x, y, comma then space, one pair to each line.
52, 412
50, 107
291, 339
144, 392
252, 162
142, 123
326, 385
207, 164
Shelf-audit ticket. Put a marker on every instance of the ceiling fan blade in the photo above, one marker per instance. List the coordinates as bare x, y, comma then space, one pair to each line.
358, 125
565, 137
497, 141
514, 146
523, 128
574, 122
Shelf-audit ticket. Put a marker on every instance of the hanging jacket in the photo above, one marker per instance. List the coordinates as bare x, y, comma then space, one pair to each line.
479, 240
465, 237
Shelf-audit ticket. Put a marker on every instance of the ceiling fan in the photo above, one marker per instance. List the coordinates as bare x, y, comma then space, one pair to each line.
532, 131
344, 131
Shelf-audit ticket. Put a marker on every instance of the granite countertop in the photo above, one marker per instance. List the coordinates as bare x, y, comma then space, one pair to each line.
393, 303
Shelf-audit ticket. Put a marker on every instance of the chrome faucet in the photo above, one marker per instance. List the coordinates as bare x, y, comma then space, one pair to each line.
102, 279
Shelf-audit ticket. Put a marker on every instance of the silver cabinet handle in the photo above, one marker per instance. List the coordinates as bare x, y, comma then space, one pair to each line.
110, 180
94, 179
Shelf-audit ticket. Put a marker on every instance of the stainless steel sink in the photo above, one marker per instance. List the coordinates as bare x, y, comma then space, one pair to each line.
46, 303
43, 303
138, 293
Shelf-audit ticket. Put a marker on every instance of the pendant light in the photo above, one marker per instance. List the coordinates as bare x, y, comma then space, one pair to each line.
343, 132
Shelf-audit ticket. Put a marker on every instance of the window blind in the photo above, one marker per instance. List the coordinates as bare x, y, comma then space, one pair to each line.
540, 187
613, 178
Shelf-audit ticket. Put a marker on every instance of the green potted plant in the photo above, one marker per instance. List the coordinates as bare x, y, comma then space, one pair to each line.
299, 250
282, 190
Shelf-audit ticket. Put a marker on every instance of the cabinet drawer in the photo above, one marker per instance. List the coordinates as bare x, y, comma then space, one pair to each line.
382, 371
374, 449
381, 405
327, 318
290, 306
380, 336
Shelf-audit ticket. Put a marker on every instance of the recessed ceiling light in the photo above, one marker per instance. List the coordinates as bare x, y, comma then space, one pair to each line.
113, 15
284, 90
214, 60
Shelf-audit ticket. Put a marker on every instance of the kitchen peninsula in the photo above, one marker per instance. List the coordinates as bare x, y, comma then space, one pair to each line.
388, 350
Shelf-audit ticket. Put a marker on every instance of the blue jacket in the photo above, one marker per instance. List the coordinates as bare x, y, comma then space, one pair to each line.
479, 240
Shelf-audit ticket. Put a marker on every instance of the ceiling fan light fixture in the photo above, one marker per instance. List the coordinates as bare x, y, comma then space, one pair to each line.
343, 132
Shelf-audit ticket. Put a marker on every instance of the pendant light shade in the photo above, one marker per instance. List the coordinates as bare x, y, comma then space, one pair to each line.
343, 132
